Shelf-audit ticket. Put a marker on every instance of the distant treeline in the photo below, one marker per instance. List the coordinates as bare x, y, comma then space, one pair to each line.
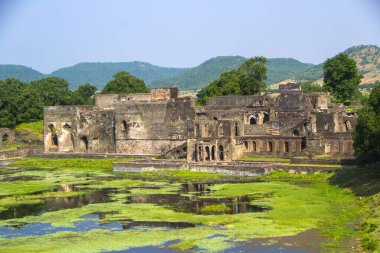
22, 102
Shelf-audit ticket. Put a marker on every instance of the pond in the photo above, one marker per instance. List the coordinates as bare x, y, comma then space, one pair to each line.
83, 205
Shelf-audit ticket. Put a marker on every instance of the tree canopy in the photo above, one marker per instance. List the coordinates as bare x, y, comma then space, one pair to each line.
123, 82
23, 102
341, 77
248, 79
367, 131
311, 86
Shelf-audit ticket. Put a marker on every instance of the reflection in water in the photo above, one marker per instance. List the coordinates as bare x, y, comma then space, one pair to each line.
192, 203
58, 203
153, 224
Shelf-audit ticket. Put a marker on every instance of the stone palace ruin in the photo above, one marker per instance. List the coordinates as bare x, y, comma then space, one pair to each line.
161, 124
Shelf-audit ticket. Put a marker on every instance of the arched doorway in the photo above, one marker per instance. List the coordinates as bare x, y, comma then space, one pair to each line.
286, 147
221, 153
83, 143
254, 148
270, 146
246, 146
208, 155
213, 153
54, 136
236, 129
200, 153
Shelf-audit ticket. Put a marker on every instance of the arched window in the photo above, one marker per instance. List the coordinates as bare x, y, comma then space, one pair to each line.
54, 136
208, 155
125, 125
296, 132
246, 145
270, 146
4, 138
220, 130
197, 131
206, 128
83, 144
252, 120
200, 153
286, 147
221, 153
347, 125
266, 117
254, 148
236, 129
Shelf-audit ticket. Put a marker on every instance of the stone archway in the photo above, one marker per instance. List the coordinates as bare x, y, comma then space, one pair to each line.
83, 143
221, 153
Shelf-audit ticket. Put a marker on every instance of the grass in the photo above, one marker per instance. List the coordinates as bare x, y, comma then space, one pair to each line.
71, 164
364, 183
178, 175
10, 146
31, 132
265, 159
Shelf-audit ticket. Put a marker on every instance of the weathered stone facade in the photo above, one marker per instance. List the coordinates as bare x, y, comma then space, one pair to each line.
226, 128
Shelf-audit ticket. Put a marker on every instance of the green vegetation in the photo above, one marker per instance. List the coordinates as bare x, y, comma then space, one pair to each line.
248, 79
311, 86
364, 183
100, 73
296, 203
71, 164
23, 102
123, 82
10, 146
200, 76
341, 77
367, 131
25, 74
31, 132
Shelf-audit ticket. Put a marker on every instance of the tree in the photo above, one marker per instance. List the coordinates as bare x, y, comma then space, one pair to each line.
10, 101
253, 73
84, 95
367, 131
53, 90
124, 82
341, 77
311, 86
246, 80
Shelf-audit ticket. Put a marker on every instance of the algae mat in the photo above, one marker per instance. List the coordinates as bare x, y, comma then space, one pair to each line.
80, 205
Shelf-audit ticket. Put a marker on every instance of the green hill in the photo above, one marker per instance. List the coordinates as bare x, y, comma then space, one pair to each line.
285, 68
22, 73
279, 69
200, 76
367, 59
99, 74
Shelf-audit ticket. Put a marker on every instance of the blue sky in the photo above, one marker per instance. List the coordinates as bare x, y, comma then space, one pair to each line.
49, 34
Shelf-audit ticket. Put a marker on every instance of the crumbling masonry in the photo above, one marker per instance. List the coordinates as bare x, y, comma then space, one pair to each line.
227, 128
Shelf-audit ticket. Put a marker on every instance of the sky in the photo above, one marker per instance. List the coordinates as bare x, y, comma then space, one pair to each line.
47, 35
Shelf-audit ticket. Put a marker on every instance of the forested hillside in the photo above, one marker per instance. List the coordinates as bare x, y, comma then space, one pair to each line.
22, 73
279, 69
99, 74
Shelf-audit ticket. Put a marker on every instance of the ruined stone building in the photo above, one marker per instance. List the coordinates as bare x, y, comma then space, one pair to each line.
161, 124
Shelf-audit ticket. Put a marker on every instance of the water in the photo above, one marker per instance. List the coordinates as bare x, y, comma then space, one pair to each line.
194, 197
